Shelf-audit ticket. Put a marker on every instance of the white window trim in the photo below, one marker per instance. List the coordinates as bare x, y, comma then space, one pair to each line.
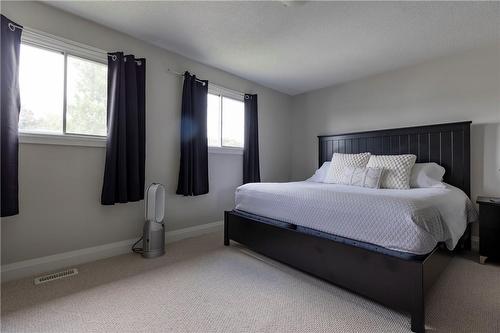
56, 43
69, 47
218, 90
62, 140
225, 92
225, 150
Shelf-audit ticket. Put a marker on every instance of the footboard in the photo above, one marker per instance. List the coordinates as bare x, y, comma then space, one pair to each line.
394, 282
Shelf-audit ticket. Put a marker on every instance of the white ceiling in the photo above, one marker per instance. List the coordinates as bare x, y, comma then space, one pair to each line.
301, 47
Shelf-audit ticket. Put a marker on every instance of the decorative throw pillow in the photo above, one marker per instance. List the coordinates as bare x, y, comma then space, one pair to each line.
365, 177
340, 161
427, 175
320, 174
397, 169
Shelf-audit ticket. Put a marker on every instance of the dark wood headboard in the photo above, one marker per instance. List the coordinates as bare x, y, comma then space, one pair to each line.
445, 144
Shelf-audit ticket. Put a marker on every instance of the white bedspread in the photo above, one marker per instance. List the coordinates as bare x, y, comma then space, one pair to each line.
412, 221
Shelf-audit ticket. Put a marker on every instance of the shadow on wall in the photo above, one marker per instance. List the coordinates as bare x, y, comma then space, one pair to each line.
485, 159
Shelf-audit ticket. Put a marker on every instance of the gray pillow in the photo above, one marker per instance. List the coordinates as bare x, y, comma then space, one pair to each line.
365, 177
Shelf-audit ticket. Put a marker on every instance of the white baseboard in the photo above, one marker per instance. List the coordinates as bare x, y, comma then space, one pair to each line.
40, 265
198, 230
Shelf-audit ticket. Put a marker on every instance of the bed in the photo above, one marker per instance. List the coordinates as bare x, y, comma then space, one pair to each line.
404, 223
312, 227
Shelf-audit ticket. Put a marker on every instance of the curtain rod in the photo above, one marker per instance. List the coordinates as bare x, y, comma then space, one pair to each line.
13, 27
171, 71
35, 32
114, 57
180, 74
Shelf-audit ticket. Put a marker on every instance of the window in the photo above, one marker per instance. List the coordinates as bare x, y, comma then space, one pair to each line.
225, 119
86, 96
63, 91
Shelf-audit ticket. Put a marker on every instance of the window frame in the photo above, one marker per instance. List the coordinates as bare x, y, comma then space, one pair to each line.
232, 94
67, 48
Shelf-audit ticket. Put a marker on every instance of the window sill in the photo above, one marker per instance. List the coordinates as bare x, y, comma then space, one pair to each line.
62, 140
225, 150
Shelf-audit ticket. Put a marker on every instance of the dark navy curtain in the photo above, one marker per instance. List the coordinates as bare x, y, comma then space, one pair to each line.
251, 169
193, 172
126, 141
10, 107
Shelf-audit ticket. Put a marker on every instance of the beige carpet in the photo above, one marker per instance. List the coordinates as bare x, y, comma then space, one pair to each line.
201, 286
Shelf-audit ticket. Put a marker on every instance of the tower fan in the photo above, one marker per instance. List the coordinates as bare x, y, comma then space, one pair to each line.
153, 233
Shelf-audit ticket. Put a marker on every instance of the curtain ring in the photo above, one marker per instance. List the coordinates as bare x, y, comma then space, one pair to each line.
138, 62
247, 96
12, 27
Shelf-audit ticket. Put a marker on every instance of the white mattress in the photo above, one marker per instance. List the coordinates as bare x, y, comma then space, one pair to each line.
411, 221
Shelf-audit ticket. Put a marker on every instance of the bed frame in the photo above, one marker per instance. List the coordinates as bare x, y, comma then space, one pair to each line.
394, 282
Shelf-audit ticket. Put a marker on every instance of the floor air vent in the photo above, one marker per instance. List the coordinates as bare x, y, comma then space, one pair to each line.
55, 276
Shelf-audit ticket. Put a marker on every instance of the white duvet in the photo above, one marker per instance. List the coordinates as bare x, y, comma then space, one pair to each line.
412, 221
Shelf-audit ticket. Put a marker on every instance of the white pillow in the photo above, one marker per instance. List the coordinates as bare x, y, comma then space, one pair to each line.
397, 169
320, 174
340, 161
365, 177
427, 175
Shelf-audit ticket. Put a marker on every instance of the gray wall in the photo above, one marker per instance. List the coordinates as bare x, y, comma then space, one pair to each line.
60, 185
459, 87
